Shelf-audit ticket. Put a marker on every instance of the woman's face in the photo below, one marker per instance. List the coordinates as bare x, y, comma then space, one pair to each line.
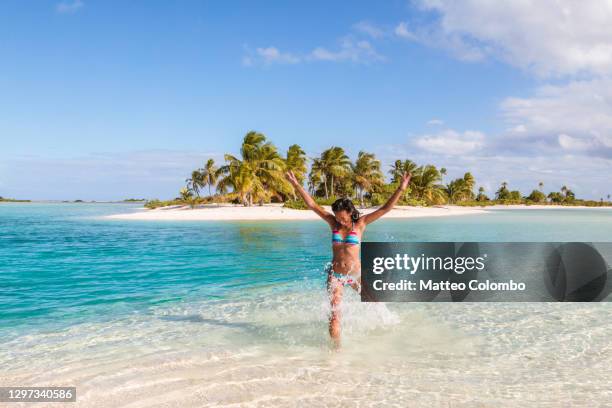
343, 217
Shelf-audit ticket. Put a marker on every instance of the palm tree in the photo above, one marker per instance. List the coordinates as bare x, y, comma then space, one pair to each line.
470, 183
332, 163
315, 177
189, 184
210, 174
229, 175
426, 184
536, 196
366, 174
400, 167
555, 197
296, 162
481, 195
461, 189
258, 174
185, 193
454, 189
503, 193
195, 182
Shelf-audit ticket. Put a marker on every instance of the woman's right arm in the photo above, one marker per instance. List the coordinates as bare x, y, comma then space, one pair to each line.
310, 202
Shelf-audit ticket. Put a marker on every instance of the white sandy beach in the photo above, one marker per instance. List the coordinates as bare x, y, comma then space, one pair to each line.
226, 212
229, 212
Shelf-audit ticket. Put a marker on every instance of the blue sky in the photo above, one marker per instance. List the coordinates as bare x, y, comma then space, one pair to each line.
108, 100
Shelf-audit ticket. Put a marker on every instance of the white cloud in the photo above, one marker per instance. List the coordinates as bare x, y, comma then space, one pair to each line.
402, 31
450, 142
66, 7
350, 50
271, 55
547, 37
575, 144
435, 122
574, 116
431, 36
369, 29
518, 129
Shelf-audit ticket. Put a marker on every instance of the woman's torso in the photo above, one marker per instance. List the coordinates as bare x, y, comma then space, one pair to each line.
346, 254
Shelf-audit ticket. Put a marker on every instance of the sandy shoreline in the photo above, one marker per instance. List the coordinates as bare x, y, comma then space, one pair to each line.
276, 212
229, 212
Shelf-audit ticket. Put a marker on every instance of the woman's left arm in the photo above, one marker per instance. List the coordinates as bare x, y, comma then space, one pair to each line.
374, 215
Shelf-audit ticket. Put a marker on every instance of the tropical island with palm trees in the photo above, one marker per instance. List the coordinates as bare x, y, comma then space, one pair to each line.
256, 179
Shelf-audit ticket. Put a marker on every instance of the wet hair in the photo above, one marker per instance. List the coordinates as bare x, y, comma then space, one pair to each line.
345, 204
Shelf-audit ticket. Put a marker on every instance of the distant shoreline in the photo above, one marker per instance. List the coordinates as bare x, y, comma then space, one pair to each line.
72, 201
228, 212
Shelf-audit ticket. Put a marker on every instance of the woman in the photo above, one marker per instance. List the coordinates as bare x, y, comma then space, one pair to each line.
347, 228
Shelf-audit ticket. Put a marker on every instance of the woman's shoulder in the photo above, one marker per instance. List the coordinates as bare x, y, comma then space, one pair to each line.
360, 223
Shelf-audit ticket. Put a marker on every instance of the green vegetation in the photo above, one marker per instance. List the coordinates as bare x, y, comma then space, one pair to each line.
256, 176
193, 201
133, 200
12, 200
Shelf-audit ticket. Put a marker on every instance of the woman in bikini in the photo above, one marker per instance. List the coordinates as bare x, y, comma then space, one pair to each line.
347, 227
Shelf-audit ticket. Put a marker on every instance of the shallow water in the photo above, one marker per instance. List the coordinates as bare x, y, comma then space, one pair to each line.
234, 314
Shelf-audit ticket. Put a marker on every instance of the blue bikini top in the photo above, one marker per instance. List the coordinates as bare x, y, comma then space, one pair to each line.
352, 238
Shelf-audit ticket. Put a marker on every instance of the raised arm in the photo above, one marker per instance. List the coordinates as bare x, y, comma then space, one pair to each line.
310, 202
374, 215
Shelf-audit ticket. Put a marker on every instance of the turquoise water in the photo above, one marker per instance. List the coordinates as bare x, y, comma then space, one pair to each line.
188, 295
65, 263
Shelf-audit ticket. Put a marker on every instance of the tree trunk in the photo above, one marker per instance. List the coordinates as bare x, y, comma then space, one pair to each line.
325, 185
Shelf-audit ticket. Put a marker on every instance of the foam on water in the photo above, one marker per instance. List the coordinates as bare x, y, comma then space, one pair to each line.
244, 351
272, 350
